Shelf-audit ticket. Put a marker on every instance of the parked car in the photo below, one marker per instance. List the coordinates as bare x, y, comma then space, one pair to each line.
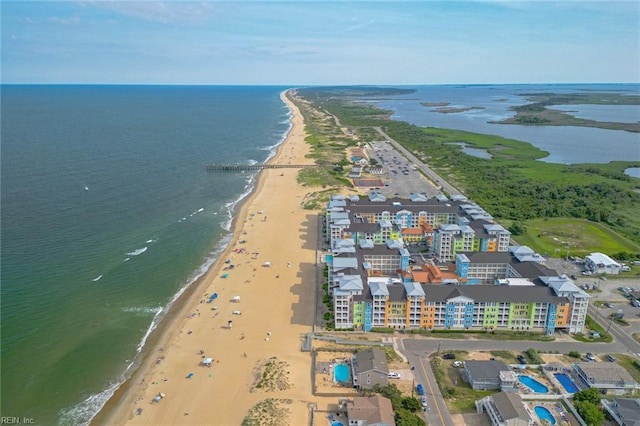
608, 305
611, 358
394, 375
522, 359
423, 402
456, 364
449, 356
590, 356
420, 389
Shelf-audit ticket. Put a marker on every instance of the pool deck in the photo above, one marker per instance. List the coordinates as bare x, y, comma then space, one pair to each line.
555, 408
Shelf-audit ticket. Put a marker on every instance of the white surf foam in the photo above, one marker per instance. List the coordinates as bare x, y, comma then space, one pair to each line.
97, 278
137, 252
84, 412
142, 309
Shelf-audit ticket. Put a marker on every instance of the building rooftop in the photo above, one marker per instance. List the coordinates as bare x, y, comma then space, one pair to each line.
510, 406
371, 359
606, 373
374, 410
485, 370
629, 410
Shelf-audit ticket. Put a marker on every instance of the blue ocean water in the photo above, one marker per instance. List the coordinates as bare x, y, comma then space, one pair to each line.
565, 144
107, 215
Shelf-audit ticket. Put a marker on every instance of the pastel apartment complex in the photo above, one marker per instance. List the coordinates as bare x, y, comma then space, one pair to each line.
479, 281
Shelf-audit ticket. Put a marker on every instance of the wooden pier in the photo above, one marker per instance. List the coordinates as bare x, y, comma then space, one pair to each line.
240, 167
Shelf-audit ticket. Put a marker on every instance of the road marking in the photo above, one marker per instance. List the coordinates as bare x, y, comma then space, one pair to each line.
435, 399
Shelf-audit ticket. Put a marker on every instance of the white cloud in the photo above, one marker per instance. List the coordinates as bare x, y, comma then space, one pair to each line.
71, 20
159, 11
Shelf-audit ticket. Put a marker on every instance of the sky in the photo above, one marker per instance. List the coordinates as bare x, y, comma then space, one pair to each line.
320, 42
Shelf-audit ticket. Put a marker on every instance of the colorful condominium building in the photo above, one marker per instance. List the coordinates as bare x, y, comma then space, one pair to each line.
374, 284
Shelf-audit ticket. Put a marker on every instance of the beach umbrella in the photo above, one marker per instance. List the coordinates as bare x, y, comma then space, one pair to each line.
161, 395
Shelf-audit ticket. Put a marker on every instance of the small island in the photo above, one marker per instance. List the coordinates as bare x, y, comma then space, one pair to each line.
451, 110
539, 113
444, 108
435, 104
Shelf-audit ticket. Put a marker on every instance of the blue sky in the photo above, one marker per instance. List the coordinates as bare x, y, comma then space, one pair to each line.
320, 43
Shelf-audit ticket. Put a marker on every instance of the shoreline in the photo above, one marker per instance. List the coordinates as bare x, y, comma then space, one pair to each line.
119, 409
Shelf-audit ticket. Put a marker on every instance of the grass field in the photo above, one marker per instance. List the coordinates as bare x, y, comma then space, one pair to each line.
578, 237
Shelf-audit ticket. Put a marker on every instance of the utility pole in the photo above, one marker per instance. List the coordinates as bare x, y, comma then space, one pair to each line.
439, 343
413, 380
610, 321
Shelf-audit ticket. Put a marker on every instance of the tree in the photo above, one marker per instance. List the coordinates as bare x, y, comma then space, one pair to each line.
392, 392
404, 417
589, 412
591, 395
517, 228
411, 403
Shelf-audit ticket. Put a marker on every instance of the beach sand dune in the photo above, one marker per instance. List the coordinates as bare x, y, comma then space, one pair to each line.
274, 312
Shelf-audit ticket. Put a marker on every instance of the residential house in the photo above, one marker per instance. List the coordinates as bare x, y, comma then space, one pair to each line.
369, 368
372, 411
483, 375
609, 378
505, 409
624, 411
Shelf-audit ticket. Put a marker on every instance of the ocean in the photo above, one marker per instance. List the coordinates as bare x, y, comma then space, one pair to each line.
108, 214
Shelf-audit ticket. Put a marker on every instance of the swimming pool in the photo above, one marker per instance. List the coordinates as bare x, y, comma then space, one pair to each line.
533, 384
566, 382
341, 372
336, 424
544, 414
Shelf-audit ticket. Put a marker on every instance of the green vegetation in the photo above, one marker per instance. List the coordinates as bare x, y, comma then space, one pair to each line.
328, 316
631, 364
592, 326
269, 412
533, 356
513, 186
404, 407
459, 395
506, 356
486, 334
538, 113
574, 354
577, 237
587, 403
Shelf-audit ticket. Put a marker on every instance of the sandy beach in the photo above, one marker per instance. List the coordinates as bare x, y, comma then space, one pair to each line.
275, 310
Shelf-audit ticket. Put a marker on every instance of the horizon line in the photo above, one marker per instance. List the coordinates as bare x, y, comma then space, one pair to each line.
312, 85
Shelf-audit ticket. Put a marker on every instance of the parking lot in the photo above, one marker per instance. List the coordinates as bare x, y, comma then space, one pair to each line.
401, 177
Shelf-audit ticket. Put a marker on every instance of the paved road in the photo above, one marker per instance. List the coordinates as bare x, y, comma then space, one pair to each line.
437, 412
